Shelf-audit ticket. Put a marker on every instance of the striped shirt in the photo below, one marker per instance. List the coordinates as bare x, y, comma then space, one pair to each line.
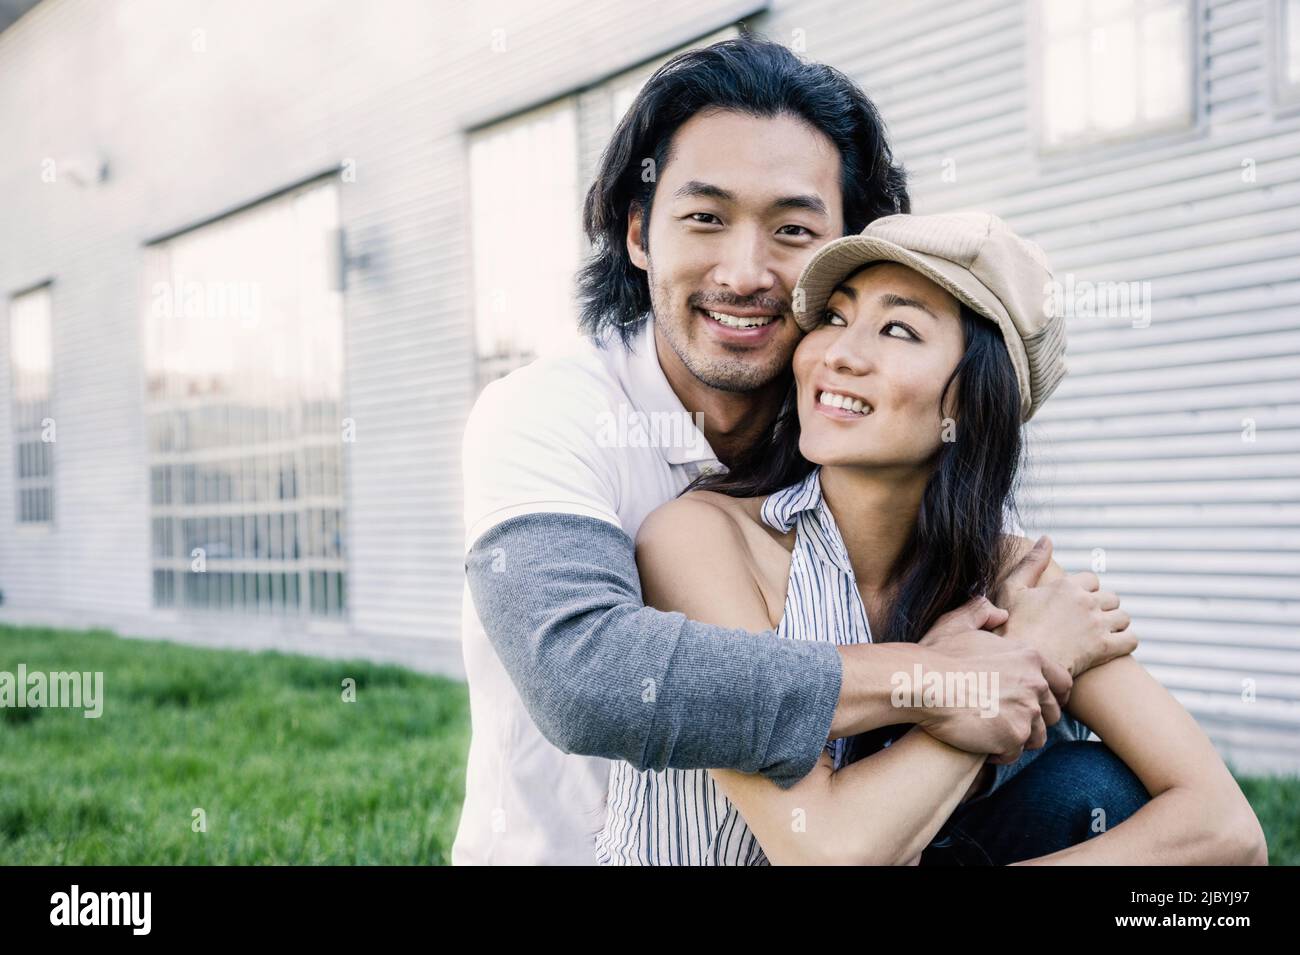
680, 816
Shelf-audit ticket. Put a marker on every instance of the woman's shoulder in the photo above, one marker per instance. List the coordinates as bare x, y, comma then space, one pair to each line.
696, 514
695, 556
740, 509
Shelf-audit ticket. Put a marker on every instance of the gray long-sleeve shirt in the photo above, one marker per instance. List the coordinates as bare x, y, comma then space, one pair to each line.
604, 675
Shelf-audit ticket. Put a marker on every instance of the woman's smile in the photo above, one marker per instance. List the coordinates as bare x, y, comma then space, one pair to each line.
839, 406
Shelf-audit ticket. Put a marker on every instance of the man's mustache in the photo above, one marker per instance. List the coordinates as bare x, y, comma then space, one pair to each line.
762, 304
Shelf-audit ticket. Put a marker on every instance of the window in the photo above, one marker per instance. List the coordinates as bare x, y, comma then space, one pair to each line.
1287, 51
526, 235
1112, 69
31, 364
526, 188
244, 364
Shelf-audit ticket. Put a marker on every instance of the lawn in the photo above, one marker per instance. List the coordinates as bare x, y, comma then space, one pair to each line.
284, 770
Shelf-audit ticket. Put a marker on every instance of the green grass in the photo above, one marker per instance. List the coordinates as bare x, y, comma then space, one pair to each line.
1276, 801
286, 772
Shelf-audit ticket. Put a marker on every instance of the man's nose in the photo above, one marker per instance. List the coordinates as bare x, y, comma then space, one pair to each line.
744, 266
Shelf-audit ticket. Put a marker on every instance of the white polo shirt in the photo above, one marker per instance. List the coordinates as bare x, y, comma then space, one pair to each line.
594, 431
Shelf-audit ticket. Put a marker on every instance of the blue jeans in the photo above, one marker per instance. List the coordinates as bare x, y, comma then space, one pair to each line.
1068, 791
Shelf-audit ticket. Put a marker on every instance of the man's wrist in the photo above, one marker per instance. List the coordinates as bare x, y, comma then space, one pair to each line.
881, 686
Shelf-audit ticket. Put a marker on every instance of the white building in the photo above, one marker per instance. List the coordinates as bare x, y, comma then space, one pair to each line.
256, 259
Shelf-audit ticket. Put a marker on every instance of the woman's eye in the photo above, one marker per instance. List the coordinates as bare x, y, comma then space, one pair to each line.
833, 318
908, 334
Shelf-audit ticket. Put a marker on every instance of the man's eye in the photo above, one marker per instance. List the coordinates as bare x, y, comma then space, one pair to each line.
804, 230
707, 215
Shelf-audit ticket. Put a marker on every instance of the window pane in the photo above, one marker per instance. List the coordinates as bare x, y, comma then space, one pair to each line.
1065, 103
1061, 18
1166, 91
1113, 68
1292, 15
523, 183
1114, 75
31, 358
1101, 10
244, 343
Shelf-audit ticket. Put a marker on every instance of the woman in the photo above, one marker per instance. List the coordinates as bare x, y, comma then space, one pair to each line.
874, 506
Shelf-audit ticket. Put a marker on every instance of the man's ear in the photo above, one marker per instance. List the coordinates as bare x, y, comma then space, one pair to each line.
635, 223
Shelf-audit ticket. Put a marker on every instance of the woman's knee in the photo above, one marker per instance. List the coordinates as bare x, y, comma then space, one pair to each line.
1098, 781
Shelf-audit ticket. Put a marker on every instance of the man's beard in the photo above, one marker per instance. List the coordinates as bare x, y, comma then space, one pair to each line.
724, 373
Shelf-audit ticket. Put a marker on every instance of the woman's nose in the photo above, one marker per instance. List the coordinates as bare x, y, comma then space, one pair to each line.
849, 354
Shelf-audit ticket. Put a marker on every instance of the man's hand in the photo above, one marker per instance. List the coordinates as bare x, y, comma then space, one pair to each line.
1071, 620
1030, 688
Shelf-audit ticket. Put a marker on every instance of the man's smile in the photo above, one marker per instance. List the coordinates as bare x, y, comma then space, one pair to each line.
746, 326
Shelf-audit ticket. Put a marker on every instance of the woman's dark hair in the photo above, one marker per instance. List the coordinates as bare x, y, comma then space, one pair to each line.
955, 551
748, 75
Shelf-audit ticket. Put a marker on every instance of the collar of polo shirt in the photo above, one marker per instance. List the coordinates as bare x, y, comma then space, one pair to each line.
648, 387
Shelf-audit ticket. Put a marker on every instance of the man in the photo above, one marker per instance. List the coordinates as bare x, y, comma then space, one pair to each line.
732, 167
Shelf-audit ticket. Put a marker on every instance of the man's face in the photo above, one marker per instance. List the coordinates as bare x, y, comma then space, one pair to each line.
740, 208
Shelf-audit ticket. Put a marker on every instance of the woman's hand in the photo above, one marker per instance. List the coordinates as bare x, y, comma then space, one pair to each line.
1069, 619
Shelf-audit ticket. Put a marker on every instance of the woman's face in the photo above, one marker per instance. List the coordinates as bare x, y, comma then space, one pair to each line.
890, 338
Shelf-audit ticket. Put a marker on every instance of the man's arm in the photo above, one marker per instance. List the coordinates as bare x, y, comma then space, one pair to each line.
559, 597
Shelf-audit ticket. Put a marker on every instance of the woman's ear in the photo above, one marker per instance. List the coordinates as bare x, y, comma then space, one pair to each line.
636, 237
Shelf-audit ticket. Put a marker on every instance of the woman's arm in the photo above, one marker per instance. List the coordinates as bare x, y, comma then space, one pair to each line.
880, 810
1197, 814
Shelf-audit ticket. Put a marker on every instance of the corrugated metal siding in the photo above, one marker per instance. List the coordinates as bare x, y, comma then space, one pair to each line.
1140, 454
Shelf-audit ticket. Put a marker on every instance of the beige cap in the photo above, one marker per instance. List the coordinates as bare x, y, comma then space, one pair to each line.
976, 258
